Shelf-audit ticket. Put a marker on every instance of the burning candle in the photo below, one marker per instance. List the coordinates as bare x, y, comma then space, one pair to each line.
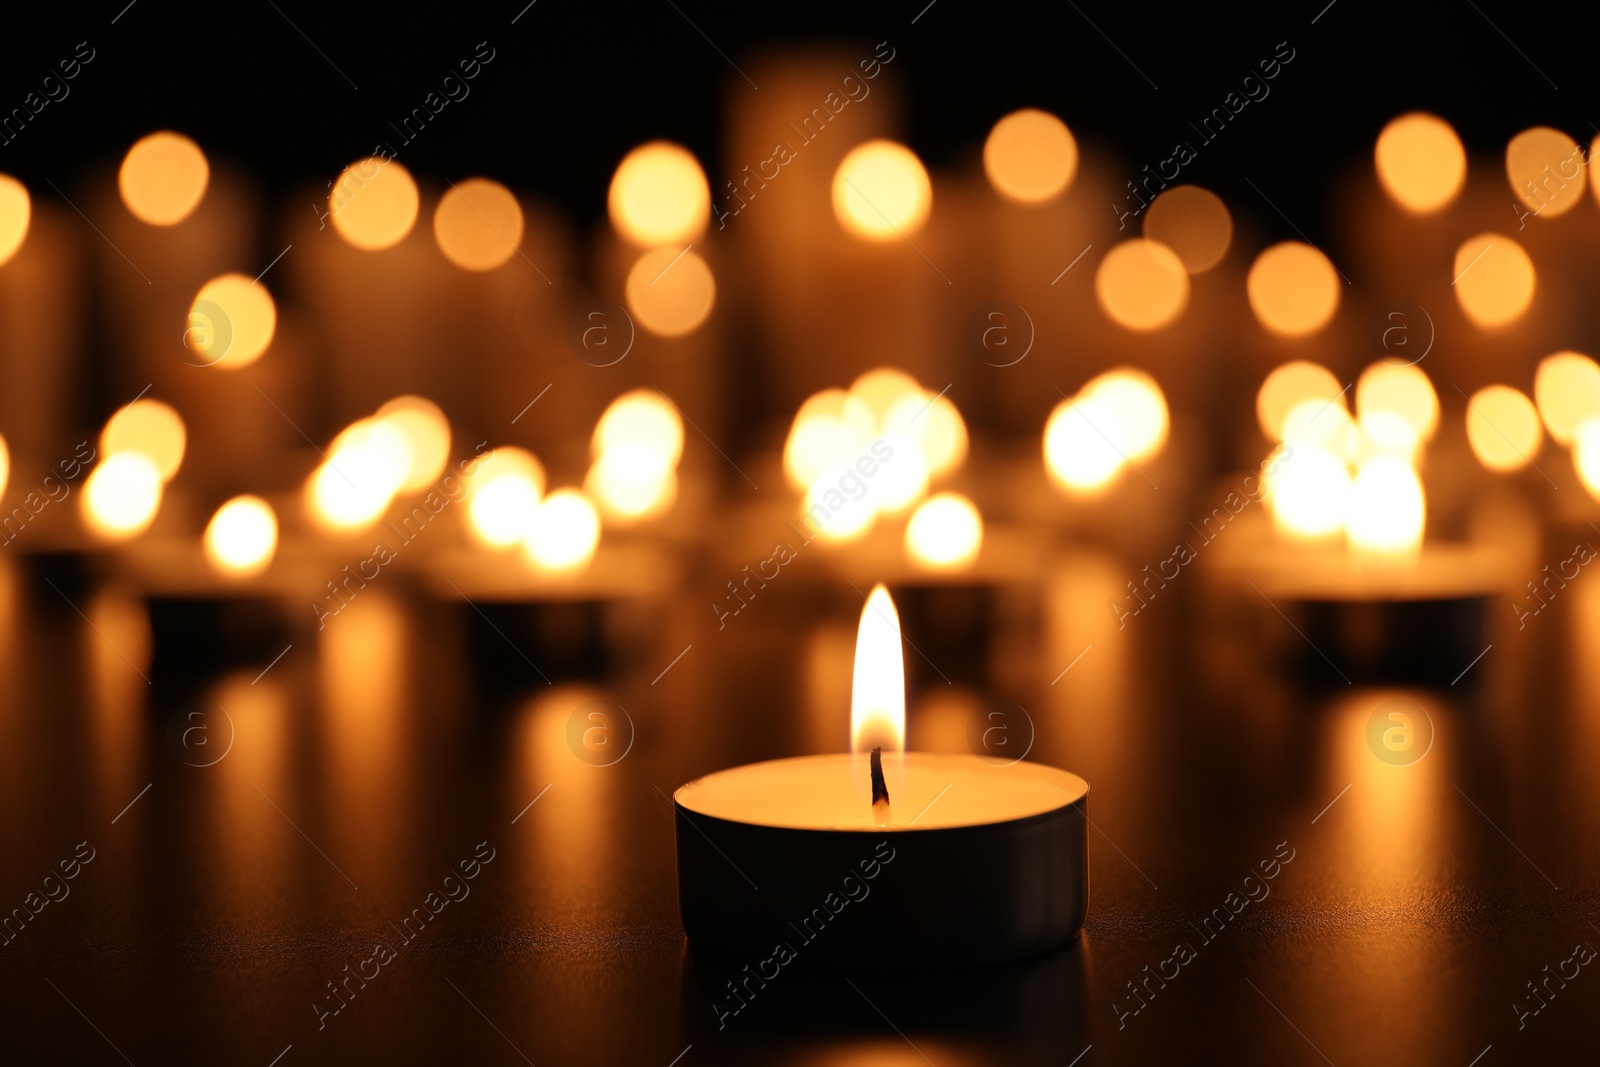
971, 862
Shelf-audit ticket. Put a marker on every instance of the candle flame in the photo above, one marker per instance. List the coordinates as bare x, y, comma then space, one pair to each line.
878, 693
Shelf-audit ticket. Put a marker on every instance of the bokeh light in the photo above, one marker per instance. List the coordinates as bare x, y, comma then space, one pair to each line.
834, 516
16, 211
163, 177
1494, 279
122, 495
632, 481
1309, 493
1142, 285
659, 195
670, 292
1503, 428
563, 533
881, 191
427, 435
934, 426
1545, 168
1290, 385
1078, 450
231, 321
1420, 162
640, 417
1566, 388
373, 203
829, 431
1387, 509
902, 480
366, 465
945, 532
1586, 454
150, 428
1030, 156
241, 537
5, 465
509, 484
1317, 422
478, 224
1293, 289
1194, 223
1402, 390
1139, 406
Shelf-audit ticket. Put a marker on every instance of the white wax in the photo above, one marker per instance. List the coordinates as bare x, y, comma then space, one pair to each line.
927, 791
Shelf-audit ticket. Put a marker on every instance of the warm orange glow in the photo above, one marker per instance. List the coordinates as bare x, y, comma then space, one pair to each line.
1503, 428
231, 321
16, 210
427, 436
1142, 285
1385, 432
631, 482
1403, 390
933, 424
1420, 162
1567, 389
163, 178
1030, 156
881, 388
366, 465
150, 428
1586, 455
837, 517
563, 533
242, 537
373, 203
1290, 385
1309, 493
1494, 279
659, 195
122, 495
829, 431
501, 508
945, 532
1079, 453
5, 466
878, 689
902, 480
1139, 406
670, 291
641, 417
1293, 289
1194, 223
478, 224
881, 191
1545, 169
1387, 509
1317, 422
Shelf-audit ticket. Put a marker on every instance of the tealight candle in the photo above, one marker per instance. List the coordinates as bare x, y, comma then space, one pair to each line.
955, 861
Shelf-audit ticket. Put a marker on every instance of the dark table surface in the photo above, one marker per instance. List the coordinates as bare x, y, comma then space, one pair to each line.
255, 831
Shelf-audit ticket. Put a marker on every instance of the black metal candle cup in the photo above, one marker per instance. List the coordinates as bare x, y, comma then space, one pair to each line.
781, 864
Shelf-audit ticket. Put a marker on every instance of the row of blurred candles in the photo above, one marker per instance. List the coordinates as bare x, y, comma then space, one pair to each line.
1354, 475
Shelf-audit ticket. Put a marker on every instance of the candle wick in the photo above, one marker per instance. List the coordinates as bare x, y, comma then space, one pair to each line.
880, 790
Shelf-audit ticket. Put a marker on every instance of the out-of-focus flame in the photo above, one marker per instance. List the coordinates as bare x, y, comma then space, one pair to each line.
366, 466
670, 291
163, 177
632, 482
881, 191
1420, 162
1567, 389
1293, 289
1078, 444
231, 321
1289, 386
641, 417
150, 428
1502, 427
1586, 455
1309, 493
16, 210
373, 203
1030, 156
1403, 390
122, 495
1387, 509
945, 532
478, 224
242, 536
1139, 406
427, 436
1141, 284
659, 195
501, 508
878, 690
828, 432
5, 465
1494, 279
563, 533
